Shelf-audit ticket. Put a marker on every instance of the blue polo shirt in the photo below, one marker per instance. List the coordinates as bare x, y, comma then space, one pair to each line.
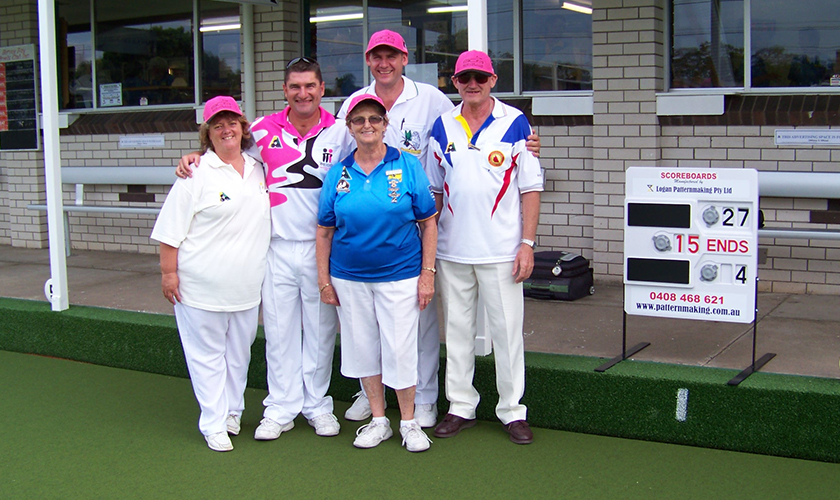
375, 217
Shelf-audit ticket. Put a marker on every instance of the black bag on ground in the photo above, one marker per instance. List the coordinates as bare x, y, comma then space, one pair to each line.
559, 275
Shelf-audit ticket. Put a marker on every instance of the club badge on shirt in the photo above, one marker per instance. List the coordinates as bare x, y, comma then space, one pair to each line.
450, 148
343, 185
394, 180
410, 141
496, 158
223, 197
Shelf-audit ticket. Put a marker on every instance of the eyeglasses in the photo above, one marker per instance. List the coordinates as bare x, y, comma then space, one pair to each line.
360, 120
480, 78
296, 60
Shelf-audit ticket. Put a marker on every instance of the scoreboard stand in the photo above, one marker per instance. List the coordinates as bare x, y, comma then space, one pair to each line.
690, 248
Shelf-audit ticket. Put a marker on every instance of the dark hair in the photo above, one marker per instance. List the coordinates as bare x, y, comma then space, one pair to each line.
302, 65
204, 131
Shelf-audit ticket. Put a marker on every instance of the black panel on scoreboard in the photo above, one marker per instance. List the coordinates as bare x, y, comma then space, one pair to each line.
658, 215
658, 270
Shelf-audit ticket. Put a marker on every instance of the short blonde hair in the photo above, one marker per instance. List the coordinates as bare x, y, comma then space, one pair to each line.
204, 131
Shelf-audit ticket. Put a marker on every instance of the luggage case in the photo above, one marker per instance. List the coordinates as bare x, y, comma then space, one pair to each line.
559, 275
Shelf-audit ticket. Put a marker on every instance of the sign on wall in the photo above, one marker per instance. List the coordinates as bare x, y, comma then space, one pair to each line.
18, 98
690, 243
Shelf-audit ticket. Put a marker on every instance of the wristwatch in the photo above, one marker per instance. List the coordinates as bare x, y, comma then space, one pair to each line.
528, 242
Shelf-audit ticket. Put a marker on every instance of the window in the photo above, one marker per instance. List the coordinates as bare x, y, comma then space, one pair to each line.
146, 57
552, 62
436, 33
791, 44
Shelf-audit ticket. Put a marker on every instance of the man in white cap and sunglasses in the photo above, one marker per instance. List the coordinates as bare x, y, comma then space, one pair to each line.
412, 109
298, 146
487, 188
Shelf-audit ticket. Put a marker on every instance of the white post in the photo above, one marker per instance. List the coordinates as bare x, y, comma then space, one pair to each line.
477, 24
52, 154
477, 40
249, 93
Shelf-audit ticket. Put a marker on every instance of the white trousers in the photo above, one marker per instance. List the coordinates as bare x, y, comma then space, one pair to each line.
459, 285
428, 355
217, 346
379, 330
299, 333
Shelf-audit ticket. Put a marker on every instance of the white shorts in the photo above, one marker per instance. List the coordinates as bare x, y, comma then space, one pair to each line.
379, 330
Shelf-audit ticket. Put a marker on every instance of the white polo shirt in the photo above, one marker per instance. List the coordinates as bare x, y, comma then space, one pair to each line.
411, 117
219, 222
481, 176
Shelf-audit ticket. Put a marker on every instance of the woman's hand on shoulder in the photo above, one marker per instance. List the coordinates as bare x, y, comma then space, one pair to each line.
185, 165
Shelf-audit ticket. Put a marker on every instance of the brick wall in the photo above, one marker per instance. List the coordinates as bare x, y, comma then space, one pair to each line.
276, 42
792, 265
566, 211
118, 232
628, 63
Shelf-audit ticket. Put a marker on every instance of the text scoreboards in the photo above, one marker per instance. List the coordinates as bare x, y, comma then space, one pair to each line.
690, 243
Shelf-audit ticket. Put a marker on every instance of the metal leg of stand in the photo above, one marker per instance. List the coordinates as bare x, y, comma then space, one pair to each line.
624, 352
756, 365
752, 369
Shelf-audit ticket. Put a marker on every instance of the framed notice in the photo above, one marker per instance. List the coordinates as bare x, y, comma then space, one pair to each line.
18, 98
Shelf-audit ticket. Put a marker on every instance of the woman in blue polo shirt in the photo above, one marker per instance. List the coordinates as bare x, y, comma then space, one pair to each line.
376, 265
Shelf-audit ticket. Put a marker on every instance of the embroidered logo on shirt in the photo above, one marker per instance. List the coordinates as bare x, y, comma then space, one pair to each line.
394, 175
275, 143
411, 141
343, 186
327, 156
223, 197
450, 148
496, 158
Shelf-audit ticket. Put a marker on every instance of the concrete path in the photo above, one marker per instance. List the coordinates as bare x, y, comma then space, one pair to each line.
803, 330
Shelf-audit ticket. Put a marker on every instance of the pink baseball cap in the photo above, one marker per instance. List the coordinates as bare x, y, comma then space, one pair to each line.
387, 37
218, 104
362, 98
474, 60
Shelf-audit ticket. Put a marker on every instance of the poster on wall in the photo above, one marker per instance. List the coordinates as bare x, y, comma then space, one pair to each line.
18, 98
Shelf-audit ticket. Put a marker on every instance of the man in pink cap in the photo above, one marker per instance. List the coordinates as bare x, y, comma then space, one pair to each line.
487, 190
412, 109
298, 146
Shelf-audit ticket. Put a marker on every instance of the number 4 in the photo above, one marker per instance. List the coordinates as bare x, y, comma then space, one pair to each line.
741, 275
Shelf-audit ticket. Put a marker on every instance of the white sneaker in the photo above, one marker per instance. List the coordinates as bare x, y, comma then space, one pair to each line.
233, 426
370, 435
360, 409
219, 442
325, 425
426, 415
414, 439
269, 429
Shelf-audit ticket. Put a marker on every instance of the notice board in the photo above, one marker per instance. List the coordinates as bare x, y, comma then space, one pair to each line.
18, 98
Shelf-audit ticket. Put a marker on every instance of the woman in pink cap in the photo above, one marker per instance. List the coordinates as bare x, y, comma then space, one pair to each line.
214, 233
375, 249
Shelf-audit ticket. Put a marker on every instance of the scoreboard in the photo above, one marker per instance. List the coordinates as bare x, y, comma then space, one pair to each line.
690, 243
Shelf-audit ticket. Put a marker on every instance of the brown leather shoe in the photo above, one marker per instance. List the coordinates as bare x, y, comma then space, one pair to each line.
520, 432
451, 425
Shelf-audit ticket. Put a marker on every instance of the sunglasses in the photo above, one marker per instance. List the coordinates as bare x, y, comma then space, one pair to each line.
360, 120
480, 78
296, 60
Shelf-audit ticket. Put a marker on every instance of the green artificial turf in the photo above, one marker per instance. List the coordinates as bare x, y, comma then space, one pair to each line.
771, 414
81, 431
